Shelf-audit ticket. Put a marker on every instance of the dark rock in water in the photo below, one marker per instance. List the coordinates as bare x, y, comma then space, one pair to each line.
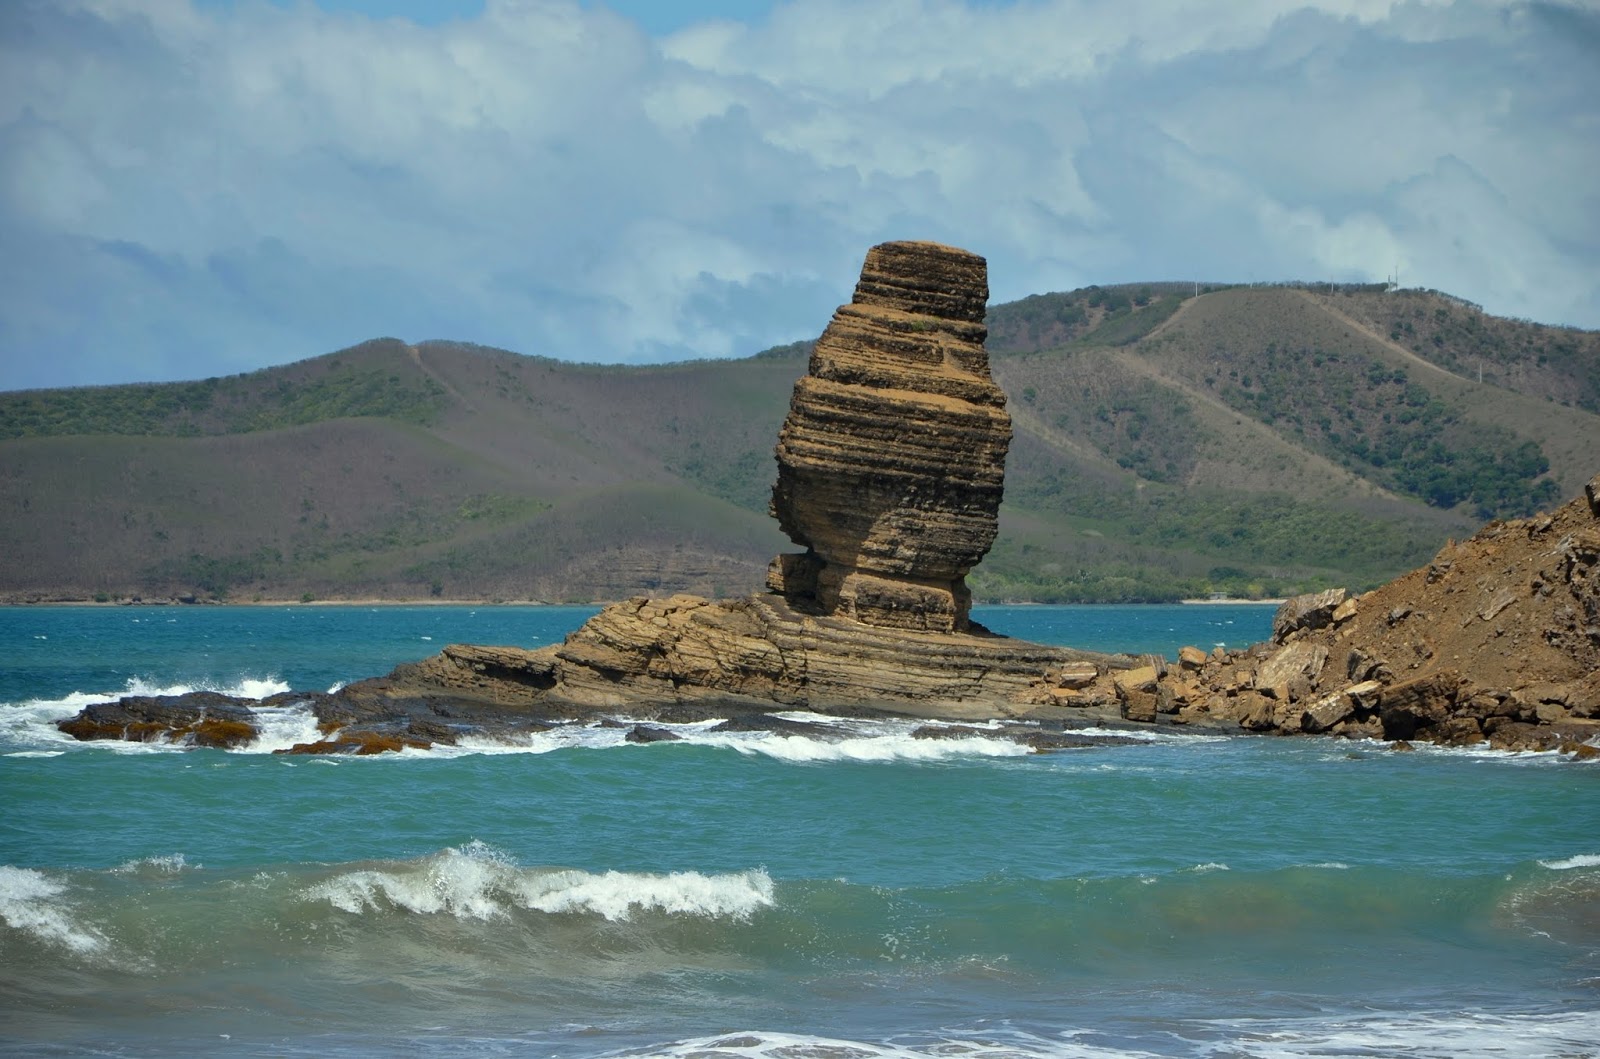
766, 722
199, 718
358, 743
1036, 739
954, 731
649, 733
1071, 741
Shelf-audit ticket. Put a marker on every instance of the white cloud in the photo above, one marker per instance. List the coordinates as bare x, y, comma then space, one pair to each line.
190, 192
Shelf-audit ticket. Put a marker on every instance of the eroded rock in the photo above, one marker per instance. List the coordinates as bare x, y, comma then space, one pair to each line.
891, 460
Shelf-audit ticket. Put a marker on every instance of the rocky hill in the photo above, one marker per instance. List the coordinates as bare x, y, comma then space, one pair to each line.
1167, 442
1497, 639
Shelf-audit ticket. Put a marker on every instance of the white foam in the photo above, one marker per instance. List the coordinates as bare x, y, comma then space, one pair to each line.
1426, 1035
477, 882
616, 895
987, 1044
171, 864
31, 902
1582, 860
1423, 1035
844, 739
874, 748
281, 727
1207, 868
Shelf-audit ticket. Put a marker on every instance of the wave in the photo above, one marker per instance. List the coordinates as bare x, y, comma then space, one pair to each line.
166, 908
478, 882
31, 728
836, 740
392, 945
1442, 1034
1582, 860
34, 904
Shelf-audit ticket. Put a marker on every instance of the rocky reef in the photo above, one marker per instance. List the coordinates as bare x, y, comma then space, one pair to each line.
890, 476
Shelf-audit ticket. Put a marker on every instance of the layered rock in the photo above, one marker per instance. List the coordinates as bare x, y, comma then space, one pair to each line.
891, 461
648, 656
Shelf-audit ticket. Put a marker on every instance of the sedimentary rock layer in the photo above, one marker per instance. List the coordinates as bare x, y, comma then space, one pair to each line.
891, 462
649, 655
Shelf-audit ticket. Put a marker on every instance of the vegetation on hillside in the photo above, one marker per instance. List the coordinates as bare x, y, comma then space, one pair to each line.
1558, 363
1360, 412
1250, 442
1104, 316
263, 400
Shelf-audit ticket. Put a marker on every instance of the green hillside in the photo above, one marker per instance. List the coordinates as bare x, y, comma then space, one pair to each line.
1169, 442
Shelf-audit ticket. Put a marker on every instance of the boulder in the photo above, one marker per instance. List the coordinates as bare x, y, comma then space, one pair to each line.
1255, 711
1314, 610
1416, 705
1292, 668
1327, 712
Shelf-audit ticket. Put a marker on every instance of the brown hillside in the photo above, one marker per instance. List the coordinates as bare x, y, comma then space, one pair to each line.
1245, 441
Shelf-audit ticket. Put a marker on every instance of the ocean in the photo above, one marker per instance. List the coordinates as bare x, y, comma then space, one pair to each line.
755, 894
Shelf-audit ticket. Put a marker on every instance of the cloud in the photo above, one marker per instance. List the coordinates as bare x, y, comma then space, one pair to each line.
196, 191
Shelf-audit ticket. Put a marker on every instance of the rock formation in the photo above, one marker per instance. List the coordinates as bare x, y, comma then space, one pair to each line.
890, 471
1497, 640
891, 462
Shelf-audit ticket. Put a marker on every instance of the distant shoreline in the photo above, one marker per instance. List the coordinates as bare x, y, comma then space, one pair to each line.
433, 602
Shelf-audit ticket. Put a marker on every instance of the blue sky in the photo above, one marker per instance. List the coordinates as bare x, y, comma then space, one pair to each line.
201, 187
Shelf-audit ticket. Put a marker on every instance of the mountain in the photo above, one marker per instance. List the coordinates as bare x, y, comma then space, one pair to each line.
1169, 441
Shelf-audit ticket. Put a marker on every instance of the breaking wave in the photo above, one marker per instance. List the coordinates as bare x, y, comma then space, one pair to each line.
477, 882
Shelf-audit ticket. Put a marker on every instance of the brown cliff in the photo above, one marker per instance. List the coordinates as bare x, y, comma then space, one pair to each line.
891, 462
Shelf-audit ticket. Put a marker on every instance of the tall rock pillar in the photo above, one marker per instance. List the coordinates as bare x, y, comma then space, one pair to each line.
891, 462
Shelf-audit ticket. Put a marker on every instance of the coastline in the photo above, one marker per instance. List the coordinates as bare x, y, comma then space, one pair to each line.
431, 601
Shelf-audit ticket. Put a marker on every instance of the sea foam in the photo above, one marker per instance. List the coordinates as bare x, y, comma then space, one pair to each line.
477, 882
1427, 1035
34, 904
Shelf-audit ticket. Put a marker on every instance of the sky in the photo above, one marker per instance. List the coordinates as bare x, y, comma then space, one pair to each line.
193, 188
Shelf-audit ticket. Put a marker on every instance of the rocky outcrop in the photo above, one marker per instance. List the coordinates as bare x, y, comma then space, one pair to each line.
201, 719
891, 460
1496, 640
689, 656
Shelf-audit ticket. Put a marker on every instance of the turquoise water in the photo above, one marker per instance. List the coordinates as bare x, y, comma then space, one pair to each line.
749, 894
